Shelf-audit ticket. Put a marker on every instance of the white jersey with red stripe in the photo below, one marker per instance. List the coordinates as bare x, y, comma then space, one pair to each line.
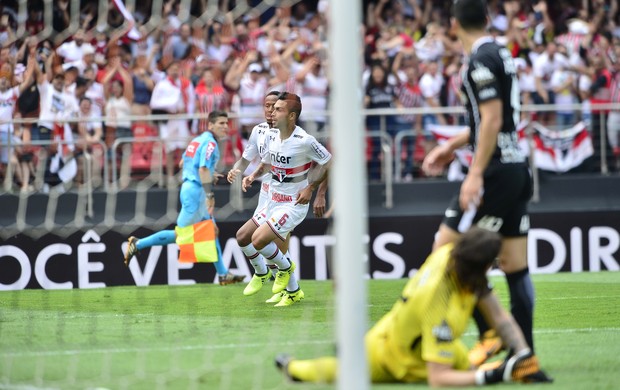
255, 150
290, 161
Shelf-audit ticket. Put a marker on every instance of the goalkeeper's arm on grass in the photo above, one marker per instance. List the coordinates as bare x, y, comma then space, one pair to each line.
520, 366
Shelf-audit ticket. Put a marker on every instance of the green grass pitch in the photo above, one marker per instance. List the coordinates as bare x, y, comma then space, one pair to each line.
212, 337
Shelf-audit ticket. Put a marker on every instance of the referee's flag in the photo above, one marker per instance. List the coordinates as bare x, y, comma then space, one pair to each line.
197, 243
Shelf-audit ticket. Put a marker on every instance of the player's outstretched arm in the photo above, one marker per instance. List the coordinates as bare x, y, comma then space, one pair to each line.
248, 180
520, 366
239, 167
436, 160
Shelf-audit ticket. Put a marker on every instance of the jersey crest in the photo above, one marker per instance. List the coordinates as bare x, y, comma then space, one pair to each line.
191, 149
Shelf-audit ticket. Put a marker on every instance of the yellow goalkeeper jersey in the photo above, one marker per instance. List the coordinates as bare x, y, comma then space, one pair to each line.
425, 324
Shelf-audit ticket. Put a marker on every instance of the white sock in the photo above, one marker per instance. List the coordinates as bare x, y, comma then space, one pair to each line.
255, 259
273, 254
272, 267
292, 284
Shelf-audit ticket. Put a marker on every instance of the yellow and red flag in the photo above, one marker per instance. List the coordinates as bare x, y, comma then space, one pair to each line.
197, 242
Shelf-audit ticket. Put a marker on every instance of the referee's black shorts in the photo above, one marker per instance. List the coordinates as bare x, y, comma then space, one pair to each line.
507, 190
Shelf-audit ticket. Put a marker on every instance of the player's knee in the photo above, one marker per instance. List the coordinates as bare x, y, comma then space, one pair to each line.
243, 237
259, 242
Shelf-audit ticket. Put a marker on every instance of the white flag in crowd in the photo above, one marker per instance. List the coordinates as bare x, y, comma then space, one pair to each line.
133, 33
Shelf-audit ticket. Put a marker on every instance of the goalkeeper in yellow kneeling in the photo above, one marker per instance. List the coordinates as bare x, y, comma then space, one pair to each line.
419, 339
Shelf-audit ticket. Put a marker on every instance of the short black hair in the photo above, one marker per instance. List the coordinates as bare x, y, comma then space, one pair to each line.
471, 14
273, 93
213, 115
293, 102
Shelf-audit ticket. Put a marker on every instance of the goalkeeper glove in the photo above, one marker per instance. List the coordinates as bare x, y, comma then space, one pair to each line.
522, 367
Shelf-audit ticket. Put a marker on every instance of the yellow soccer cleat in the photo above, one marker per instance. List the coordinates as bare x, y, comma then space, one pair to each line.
488, 346
282, 278
256, 284
277, 297
291, 298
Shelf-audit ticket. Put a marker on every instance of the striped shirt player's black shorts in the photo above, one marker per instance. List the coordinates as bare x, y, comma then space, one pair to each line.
507, 190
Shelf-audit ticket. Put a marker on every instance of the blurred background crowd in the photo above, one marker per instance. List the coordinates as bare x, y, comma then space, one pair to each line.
211, 56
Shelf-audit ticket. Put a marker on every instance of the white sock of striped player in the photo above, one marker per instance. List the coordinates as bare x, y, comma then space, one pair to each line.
272, 267
292, 284
275, 255
255, 259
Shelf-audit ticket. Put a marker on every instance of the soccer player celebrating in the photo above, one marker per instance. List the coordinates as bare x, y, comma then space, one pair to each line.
197, 198
497, 188
256, 148
289, 155
419, 338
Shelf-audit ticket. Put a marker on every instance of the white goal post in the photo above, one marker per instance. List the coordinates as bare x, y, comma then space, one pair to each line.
348, 184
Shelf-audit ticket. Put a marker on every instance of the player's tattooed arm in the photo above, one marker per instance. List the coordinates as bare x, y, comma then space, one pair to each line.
316, 176
503, 323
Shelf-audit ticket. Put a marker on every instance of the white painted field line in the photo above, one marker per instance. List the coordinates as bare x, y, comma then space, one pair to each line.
243, 345
577, 297
25, 387
155, 349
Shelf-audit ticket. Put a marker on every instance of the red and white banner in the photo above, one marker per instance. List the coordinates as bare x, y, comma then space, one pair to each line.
556, 151
133, 32
559, 151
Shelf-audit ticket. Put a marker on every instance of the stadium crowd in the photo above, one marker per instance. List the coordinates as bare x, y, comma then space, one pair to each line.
567, 52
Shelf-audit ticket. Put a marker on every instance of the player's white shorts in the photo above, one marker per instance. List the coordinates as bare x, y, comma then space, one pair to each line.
281, 214
175, 133
263, 197
260, 213
282, 218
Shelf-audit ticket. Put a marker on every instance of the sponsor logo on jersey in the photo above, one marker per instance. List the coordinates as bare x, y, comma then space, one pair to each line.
491, 223
487, 93
482, 75
210, 148
281, 198
442, 332
192, 148
298, 136
318, 149
279, 158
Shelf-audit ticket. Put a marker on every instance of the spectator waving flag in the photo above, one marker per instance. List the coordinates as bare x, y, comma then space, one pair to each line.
197, 242
133, 33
